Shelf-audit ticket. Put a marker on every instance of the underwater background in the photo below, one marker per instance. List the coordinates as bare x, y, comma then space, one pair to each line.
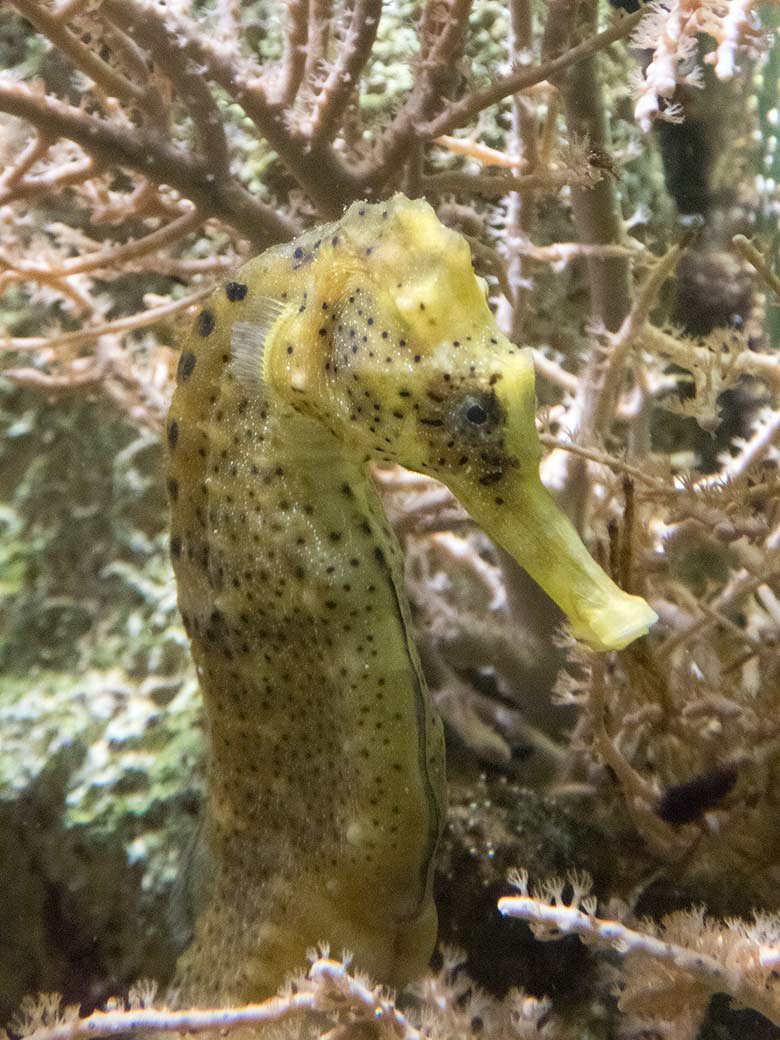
615, 170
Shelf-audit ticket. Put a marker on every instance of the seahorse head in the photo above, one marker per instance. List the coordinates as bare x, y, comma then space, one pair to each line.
392, 346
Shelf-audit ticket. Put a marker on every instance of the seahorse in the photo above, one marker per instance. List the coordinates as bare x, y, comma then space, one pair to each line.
369, 338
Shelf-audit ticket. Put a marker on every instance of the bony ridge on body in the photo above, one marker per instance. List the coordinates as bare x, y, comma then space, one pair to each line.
369, 338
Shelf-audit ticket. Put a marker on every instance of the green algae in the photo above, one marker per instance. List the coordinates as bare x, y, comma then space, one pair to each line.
101, 773
100, 783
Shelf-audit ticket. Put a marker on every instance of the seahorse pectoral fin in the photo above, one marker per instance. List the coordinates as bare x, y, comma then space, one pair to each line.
536, 532
248, 340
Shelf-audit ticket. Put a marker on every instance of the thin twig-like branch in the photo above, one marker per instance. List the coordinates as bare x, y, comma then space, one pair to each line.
476, 150
187, 80
51, 181
716, 975
85, 335
603, 458
55, 29
442, 33
318, 169
461, 112
601, 401
111, 256
738, 587
341, 84
549, 182
294, 55
329, 990
320, 14
595, 209
35, 150
522, 202
72, 380
747, 362
593, 409
151, 154
553, 372
746, 248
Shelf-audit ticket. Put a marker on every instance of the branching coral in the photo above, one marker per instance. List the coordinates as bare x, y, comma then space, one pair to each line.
329, 997
670, 968
157, 154
671, 33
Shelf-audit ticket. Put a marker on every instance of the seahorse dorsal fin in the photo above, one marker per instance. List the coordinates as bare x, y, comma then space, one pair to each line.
248, 339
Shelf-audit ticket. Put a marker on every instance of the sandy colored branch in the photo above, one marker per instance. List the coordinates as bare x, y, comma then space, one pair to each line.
188, 83
133, 321
293, 64
148, 152
19, 270
461, 112
342, 80
441, 34
318, 169
548, 182
55, 28
475, 150
746, 248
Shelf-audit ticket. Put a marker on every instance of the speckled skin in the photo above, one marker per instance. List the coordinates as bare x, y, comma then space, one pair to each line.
327, 760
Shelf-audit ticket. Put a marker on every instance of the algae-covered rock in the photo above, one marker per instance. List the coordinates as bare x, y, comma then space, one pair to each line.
100, 772
100, 784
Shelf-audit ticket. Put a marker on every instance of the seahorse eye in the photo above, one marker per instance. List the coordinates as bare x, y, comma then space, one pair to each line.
475, 415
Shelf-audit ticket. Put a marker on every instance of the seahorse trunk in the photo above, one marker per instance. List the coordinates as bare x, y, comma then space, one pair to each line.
316, 710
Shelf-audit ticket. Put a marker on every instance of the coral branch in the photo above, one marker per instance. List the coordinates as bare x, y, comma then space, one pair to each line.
55, 28
148, 152
328, 989
719, 959
54, 180
548, 182
442, 34
100, 259
187, 80
461, 112
85, 335
736, 27
318, 169
294, 57
35, 149
342, 80
752, 255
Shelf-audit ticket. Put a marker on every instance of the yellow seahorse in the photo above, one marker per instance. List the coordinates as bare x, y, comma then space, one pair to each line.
369, 338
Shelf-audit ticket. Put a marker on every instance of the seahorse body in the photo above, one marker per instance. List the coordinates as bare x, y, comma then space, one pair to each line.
368, 338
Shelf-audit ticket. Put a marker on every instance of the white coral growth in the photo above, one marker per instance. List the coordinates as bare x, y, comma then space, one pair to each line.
672, 967
670, 30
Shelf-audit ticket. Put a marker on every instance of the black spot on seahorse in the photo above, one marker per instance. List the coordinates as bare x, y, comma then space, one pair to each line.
186, 366
236, 291
206, 322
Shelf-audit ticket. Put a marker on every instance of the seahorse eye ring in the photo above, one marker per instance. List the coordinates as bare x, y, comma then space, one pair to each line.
475, 415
